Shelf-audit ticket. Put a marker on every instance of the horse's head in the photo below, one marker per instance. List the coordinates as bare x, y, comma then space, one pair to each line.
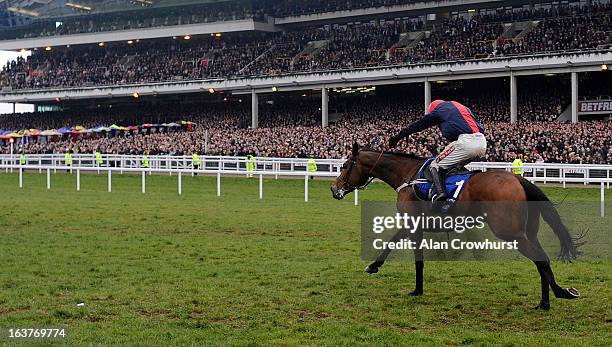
353, 176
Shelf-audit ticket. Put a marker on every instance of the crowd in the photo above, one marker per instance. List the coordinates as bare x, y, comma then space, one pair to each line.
293, 129
551, 34
135, 19
203, 12
151, 61
285, 8
336, 46
206, 11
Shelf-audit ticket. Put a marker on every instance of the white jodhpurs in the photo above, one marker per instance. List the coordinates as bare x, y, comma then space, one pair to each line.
461, 152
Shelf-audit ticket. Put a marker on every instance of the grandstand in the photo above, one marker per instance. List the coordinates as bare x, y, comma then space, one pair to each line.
194, 172
296, 79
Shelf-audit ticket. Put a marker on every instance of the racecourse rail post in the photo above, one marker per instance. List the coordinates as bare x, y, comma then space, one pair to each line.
602, 198
110, 180
180, 183
587, 176
260, 186
20, 177
218, 184
48, 179
306, 188
78, 179
144, 184
356, 197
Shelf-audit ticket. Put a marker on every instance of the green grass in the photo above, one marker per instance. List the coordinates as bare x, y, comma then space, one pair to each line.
197, 269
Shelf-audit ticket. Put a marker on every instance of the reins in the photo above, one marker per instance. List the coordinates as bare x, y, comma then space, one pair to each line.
370, 177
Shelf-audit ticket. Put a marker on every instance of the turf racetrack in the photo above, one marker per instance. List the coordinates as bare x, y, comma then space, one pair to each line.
163, 269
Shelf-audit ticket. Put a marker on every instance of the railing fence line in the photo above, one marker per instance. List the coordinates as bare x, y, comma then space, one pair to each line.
271, 167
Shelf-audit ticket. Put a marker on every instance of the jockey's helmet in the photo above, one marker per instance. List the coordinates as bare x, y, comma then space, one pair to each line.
433, 105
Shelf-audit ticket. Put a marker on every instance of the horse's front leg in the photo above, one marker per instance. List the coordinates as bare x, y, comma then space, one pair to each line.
417, 238
404, 205
373, 268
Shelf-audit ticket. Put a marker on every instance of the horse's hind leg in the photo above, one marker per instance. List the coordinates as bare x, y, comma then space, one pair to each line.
561, 293
531, 251
545, 299
543, 264
533, 225
514, 230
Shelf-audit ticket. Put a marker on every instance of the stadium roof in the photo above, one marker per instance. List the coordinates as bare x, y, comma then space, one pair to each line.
65, 8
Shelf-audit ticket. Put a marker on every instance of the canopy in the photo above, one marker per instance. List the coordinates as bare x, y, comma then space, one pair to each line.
100, 129
50, 132
116, 127
7, 134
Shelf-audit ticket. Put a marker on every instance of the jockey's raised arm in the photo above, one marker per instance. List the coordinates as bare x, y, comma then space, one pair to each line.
427, 121
459, 126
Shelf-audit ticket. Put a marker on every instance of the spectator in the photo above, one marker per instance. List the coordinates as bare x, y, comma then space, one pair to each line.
339, 46
294, 131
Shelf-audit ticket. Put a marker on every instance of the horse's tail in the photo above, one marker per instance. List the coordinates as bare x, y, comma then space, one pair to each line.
569, 250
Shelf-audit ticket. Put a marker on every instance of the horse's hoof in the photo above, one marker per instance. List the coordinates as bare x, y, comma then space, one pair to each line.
568, 293
416, 293
573, 292
371, 269
545, 306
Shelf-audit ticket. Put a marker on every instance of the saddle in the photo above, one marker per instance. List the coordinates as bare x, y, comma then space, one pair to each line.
455, 180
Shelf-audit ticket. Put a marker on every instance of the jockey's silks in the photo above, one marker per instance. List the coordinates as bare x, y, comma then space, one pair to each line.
452, 118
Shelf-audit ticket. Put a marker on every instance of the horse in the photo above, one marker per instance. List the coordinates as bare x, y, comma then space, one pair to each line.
396, 169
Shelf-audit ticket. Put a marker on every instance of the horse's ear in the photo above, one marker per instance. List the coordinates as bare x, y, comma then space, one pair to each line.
355, 149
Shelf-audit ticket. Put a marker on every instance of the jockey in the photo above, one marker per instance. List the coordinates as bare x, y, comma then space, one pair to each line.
460, 127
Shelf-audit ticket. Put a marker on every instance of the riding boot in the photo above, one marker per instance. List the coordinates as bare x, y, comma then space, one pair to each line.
438, 181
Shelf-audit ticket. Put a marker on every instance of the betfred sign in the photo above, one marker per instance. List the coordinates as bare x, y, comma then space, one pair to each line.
595, 106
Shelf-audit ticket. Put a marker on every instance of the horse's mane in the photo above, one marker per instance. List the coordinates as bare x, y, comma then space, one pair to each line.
397, 154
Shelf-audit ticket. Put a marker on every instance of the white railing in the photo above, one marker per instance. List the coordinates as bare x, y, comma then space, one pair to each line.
166, 164
557, 173
291, 167
170, 164
540, 172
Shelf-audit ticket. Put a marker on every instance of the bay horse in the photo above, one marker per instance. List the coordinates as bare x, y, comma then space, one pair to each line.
396, 169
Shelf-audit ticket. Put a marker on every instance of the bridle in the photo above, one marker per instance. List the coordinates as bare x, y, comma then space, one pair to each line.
346, 187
